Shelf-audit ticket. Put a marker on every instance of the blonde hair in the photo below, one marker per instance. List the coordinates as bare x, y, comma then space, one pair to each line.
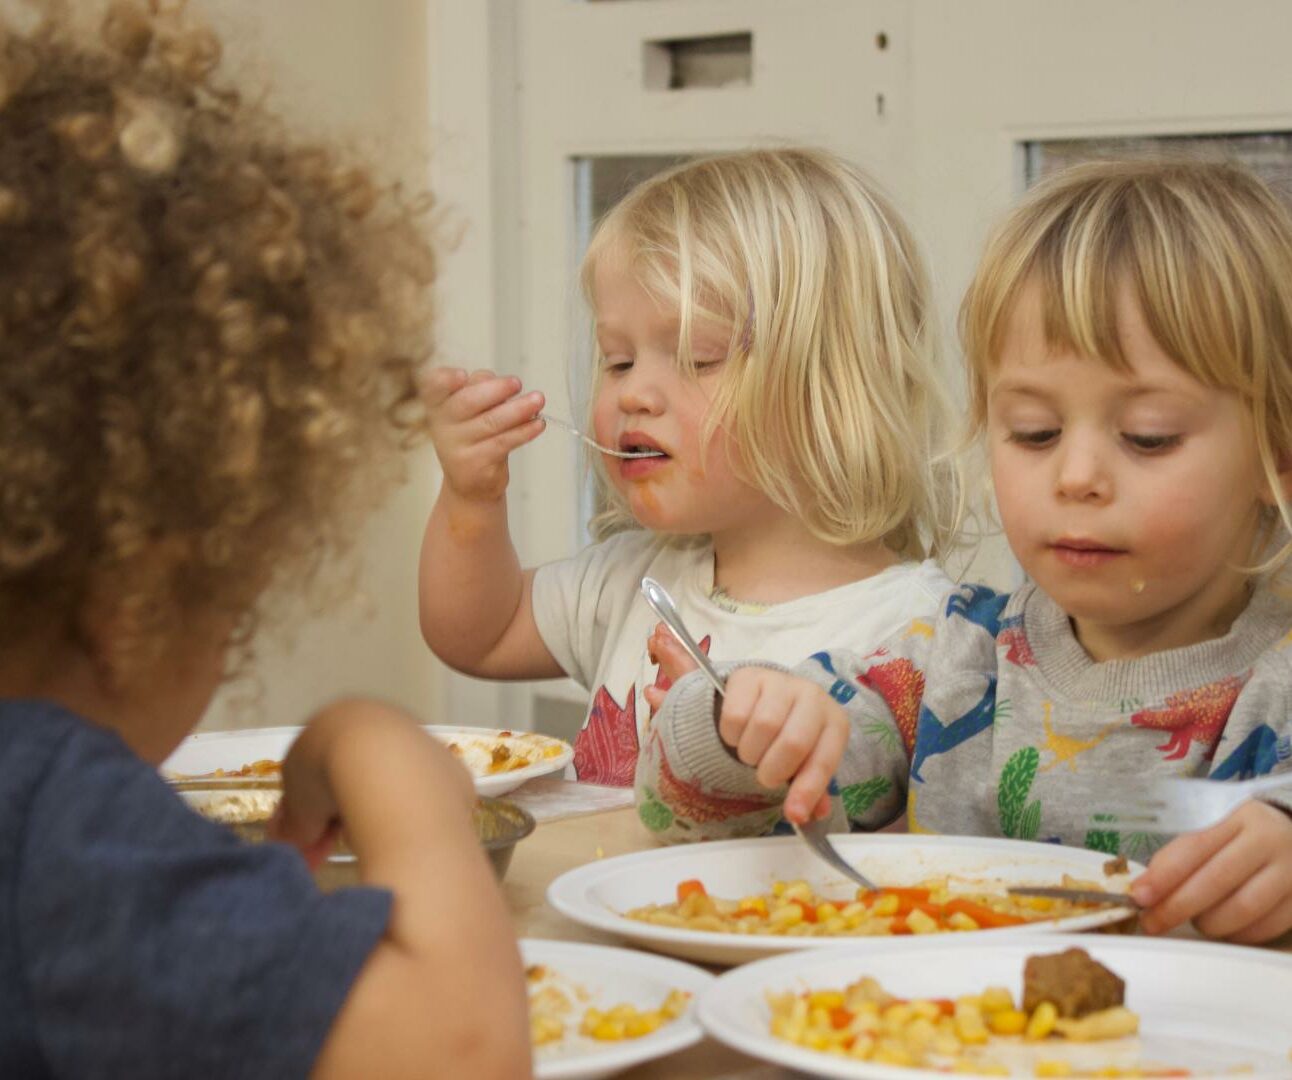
209, 334
831, 389
1205, 247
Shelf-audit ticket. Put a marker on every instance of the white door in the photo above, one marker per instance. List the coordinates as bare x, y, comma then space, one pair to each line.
938, 99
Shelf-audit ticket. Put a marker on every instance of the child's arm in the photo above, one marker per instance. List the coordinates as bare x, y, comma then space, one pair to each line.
779, 737
475, 605
443, 993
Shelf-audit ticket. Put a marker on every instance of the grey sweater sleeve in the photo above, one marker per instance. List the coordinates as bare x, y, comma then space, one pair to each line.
690, 786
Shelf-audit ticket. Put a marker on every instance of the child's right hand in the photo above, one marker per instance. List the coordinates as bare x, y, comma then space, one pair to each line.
476, 421
787, 728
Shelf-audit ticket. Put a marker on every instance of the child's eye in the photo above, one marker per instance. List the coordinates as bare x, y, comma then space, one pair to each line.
1152, 444
616, 365
1034, 439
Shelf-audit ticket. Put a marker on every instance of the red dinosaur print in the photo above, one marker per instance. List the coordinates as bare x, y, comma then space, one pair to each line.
689, 801
1020, 650
1194, 715
901, 684
605, 751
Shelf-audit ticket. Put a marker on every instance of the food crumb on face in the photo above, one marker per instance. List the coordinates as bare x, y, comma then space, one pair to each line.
601, 852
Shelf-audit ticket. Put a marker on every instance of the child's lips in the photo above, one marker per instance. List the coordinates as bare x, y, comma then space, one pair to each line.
1085, 553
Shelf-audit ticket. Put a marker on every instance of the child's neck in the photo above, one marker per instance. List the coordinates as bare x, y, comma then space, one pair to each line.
780, 560
48, 667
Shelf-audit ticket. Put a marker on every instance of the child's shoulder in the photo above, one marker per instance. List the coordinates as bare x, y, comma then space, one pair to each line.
113, 885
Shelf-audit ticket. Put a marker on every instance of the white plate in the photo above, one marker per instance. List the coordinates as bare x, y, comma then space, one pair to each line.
212, 750
597, 893
1203, 1007
614, 977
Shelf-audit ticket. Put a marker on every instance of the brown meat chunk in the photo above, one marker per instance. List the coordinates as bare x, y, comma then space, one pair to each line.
1118, 865
1073, 981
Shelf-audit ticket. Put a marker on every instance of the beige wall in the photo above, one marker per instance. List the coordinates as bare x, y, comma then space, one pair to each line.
357, 72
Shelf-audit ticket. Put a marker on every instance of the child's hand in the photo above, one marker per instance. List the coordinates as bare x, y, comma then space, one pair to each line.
363, 735
673, 661
476, 421
782, 725
1233, 880
785, 727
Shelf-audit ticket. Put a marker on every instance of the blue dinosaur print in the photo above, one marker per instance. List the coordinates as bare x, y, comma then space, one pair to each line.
933, 737
842, 691
982, 606
1256, 755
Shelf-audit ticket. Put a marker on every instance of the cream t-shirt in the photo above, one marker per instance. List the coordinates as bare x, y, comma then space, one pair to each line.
594, 621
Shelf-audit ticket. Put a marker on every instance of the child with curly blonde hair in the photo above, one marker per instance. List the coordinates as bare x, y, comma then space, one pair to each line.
1129, 342
208, 342
764, 332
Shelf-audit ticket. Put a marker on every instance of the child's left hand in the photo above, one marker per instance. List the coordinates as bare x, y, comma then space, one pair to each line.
1233, 880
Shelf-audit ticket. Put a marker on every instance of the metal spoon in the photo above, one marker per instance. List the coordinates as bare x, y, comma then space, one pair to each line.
814, 833
596, 445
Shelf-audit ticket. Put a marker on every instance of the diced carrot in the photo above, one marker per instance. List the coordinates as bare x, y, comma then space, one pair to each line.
904, 896
946, 1006
840, 1018
981, 914
691, 887
809, 910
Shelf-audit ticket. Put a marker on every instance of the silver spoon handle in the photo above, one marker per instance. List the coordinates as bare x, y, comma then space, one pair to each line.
662, 604
593, 442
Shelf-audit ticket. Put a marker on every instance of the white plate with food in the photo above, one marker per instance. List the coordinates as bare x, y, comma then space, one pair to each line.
968, 873
498, 760
1200, 1009
596, 1010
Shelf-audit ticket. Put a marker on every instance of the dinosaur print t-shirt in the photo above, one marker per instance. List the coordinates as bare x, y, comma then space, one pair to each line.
992, 720
592, 618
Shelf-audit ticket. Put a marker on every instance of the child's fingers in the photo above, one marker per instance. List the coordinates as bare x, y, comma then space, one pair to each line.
476, 398
1246, 906
503, 417
743, 687
1218, 867
822, 807
1173, 865
673, 660
812, 782
442, 383
1275, 923
768, 728
654, 698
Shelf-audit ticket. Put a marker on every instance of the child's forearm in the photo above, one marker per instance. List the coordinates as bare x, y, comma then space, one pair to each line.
470, 580
406, 812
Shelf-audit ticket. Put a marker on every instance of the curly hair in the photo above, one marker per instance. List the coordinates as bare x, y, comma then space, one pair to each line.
209, 333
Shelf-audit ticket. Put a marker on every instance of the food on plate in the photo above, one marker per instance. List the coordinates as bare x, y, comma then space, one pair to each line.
264, 769
552, 1008
482, 755
1074, 982
793, 909
505, 752
865, 1022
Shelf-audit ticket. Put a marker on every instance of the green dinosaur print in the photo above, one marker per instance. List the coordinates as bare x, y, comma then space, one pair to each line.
860, 797
654, 814
884, 732
1019, 819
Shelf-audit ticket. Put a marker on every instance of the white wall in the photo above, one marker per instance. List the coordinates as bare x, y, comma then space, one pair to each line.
357, 72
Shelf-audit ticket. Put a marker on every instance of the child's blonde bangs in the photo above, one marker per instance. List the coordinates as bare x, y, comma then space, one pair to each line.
831, 389
1205, 249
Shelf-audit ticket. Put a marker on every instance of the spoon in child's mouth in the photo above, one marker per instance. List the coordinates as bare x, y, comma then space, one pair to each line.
596, 445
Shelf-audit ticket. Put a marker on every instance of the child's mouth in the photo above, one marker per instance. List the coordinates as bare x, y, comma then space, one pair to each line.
1084, 553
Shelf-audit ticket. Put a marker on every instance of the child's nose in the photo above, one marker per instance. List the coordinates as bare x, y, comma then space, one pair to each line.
1083, 470
640, 392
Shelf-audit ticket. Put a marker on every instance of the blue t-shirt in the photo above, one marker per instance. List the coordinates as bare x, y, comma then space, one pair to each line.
137, 940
